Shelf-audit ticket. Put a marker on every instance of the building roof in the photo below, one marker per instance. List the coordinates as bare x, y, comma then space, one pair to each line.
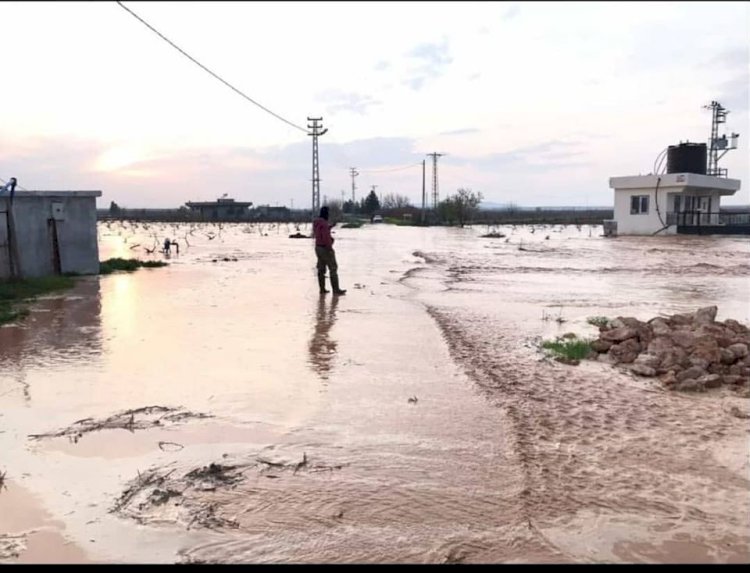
677, 182
21, 194
220, 203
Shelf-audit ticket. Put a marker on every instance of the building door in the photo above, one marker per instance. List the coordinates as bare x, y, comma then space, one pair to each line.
704, 208
4, 246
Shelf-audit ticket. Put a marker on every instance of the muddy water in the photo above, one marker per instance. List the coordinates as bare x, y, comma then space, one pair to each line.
430, 428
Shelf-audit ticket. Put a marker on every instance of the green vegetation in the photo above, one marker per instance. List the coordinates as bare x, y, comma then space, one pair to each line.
352, 225
568, 348
598, 321
459, 208
401, 222
127, 265
14, 292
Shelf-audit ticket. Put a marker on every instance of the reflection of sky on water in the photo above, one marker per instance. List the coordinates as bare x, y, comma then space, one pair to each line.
62, 330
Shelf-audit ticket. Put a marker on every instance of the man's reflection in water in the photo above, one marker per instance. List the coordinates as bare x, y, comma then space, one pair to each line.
322, 348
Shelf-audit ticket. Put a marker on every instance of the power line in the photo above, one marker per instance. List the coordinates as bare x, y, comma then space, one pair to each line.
251, 100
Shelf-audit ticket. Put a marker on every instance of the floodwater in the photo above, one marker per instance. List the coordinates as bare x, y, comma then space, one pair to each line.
413, 420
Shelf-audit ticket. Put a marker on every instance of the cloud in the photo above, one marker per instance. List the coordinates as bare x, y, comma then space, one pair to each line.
382, 65
511, 12
542, 157
434, 54
464, 131
735, 93
432, 60
347, 101
731, 58
380, 152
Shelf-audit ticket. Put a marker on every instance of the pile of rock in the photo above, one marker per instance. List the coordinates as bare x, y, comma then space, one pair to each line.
687, 351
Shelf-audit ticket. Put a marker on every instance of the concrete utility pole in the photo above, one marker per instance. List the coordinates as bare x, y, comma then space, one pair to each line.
315, 133
353, 173
424, 197
435, 195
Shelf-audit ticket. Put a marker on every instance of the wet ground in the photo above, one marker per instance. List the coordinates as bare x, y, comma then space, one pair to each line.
219, 410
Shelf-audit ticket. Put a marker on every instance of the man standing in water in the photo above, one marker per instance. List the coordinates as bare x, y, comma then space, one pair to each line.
325, 253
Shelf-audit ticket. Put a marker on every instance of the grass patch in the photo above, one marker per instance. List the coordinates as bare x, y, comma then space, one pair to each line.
568, 348
400, 222
598, 321
18, 291
128, 265
352, 225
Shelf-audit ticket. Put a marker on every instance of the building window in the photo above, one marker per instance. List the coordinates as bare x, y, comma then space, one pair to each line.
639, 204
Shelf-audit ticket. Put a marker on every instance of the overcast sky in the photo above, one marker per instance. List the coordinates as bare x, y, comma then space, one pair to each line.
532, 103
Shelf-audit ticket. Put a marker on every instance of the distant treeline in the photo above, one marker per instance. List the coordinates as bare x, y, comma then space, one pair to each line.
185, 215
485, 217
506, 216
543, 216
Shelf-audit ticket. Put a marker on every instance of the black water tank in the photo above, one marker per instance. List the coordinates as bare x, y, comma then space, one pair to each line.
687, 158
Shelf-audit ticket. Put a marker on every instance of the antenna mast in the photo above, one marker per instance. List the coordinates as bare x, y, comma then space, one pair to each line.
716, 143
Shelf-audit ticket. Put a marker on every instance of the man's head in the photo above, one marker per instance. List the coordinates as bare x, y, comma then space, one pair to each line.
324, 213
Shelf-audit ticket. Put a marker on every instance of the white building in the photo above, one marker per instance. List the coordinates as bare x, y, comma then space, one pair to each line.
664, 204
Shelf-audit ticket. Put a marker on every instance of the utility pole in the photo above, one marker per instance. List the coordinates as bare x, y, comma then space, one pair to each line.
353, 173
315, 133
292, 200
435, 178
716, 143
424, 197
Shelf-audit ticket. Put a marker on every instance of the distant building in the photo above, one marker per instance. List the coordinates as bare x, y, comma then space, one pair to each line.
670, 203
223, 209
683, 195
269, 213
48, 233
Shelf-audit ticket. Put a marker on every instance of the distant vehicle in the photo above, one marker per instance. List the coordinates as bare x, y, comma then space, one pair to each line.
377, 219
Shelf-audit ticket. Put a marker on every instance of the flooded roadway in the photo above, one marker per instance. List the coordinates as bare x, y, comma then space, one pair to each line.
412, 420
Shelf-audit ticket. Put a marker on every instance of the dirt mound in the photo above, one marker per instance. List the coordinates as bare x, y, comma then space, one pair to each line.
689, 352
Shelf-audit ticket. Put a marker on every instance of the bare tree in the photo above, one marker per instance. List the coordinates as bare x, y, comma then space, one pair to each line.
335, 209
460, 207
395, 201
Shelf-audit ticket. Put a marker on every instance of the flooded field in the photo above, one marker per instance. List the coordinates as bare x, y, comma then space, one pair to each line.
220, 410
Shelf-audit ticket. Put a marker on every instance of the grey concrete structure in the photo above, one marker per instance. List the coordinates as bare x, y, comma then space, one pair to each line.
48, 232
223, 209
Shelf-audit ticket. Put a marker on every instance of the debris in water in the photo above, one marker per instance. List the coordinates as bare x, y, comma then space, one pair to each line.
170, 446
137, 419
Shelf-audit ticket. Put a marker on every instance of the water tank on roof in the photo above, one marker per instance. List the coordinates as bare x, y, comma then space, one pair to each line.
687, 158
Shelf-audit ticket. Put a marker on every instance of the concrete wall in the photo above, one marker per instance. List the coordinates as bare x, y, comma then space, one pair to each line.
643, 223
43, 219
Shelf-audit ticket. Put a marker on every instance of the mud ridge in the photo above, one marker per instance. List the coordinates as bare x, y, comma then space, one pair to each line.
593, 441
